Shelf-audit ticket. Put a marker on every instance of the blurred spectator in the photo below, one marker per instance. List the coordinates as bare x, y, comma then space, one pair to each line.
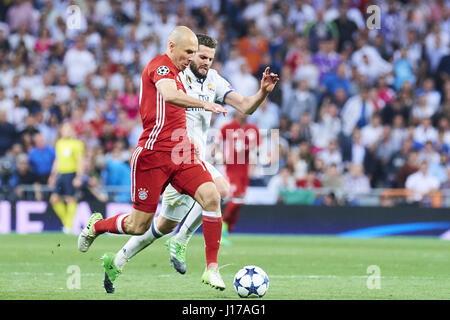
398, 132
8, 133
421, 183
357, 111
446, 184
18, 114
371, 133
328, 126
79, 62
90, 191
397, 160
22, 176
326, 59
368, 61
346, 27
357, 152
328, 200
411, 166
252, 47
331, 154
436, 45
306, 127
319, 30
299, 100
428, 153
439, 169
300, 13
282, 181
425, 132
41, 158
309, 181
432, 96
423, 109
333, 179
129, 100
356, 183
403, 71
337, 80
33, 106
297, 55
244, 80
266, 117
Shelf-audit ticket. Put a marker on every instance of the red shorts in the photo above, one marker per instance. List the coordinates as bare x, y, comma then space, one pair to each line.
239, 183
152, 171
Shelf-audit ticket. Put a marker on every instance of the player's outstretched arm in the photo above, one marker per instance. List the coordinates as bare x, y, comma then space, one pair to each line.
170, 94
249, 104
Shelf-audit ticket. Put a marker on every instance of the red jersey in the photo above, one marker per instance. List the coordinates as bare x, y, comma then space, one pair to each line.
238, 141
161, 120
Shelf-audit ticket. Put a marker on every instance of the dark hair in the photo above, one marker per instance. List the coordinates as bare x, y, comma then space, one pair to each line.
207, 41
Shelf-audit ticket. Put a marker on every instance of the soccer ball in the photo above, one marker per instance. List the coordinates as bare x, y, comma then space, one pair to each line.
251, 281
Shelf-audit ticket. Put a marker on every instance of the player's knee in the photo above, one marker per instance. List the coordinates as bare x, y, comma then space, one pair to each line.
223, 187
212, 201
54, 198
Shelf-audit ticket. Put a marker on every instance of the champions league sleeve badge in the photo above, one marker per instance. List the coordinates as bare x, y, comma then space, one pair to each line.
162, 70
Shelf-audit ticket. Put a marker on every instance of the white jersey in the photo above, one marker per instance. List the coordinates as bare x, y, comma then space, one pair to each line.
213, 88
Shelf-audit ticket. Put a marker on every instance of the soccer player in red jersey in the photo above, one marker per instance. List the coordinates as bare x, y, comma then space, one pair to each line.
240, 138
165, 155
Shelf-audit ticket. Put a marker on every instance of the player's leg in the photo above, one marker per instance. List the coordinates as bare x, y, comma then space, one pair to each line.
59, 207
174, 208
194, 218
57, 200
148, 180
71, 205
71, 201
196, 181
232, 209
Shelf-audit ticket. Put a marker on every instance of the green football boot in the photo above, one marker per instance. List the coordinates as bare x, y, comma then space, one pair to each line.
212, 277
177, 251
87, 236
111, 271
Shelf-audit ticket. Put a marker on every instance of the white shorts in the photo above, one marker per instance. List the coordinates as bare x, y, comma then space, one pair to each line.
175, 206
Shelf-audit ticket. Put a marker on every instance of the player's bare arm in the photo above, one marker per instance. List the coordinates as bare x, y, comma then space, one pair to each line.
168, 90
249, 104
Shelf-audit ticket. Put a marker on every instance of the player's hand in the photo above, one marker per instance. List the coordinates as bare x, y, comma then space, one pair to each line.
76, 182
268, 80
51, 181
214, 107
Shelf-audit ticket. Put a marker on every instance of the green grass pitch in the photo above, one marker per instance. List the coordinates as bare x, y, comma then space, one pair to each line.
37, 266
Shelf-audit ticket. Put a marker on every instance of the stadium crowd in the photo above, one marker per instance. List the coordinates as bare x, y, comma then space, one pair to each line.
356, 108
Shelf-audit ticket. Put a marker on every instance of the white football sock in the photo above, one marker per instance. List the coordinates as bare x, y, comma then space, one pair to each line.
136, 244
191, 224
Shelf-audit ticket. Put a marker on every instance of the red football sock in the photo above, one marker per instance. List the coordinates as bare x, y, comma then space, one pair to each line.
111, 225
212, 231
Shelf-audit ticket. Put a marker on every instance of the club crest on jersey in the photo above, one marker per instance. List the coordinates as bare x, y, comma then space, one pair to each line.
188, 80
211, 87
162, 71
142, 193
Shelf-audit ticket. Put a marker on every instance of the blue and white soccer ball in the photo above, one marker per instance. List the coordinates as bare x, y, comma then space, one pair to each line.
251, 281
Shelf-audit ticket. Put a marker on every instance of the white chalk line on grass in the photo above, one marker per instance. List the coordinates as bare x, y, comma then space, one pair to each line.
292, 276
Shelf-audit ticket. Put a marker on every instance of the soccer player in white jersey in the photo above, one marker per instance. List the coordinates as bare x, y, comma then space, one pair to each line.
203, 83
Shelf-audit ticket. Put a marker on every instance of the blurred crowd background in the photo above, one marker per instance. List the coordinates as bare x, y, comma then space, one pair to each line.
357, 109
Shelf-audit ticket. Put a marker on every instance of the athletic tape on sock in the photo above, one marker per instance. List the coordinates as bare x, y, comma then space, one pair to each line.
212, 214
119, 222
